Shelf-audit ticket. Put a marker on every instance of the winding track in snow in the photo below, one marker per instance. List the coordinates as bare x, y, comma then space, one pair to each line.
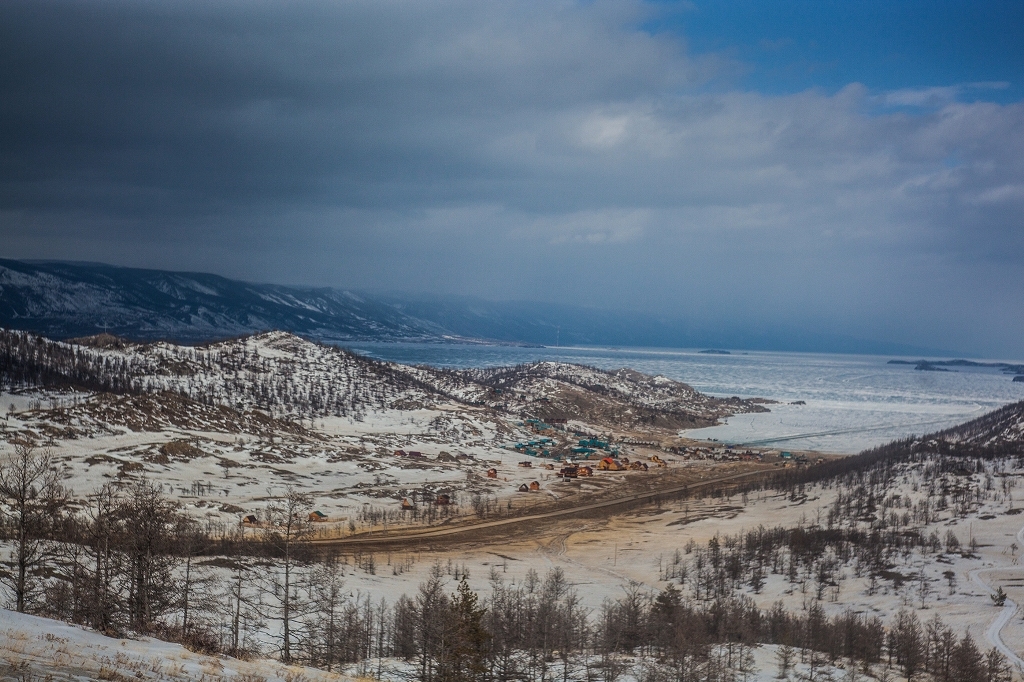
994, 632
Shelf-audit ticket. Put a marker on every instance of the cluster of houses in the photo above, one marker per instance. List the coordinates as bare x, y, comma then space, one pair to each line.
590, 447
613, 464
540, 447
586, 448
575, 471
722, 453
442, 457
441, 500
732, 453
569, 471
316, 516
538, 426
788, 459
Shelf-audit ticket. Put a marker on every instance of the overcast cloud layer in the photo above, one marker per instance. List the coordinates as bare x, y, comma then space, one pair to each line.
544, 151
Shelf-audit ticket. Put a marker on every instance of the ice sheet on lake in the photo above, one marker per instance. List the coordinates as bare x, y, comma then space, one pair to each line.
852, 401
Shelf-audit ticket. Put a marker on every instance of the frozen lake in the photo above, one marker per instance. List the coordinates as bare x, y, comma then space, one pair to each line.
852, 401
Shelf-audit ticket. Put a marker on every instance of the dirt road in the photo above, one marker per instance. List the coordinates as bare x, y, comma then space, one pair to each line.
494, 530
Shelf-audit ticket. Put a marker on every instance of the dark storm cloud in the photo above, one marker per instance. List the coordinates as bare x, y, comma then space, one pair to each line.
182, 106
552, 151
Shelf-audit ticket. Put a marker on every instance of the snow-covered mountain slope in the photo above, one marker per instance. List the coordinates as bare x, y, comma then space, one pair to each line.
1001, 428
33, 648
62, 300
275, 372
283, 374
559, 390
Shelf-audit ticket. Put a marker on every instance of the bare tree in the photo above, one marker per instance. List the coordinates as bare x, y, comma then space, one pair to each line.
195, 583
101, 596
242, 609
30, 488
431, 614
288, 529
323, 625
149, 543
924, 588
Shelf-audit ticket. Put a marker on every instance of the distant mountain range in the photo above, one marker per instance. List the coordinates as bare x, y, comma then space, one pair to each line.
70, 299
63, 300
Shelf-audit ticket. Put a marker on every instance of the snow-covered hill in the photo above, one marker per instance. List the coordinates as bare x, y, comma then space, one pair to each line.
219, 425
560, 390
1001, 428
33, 648
275, 372
283, 374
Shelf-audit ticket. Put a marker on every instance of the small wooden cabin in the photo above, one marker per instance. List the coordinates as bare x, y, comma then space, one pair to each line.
526, 465
524, 488
250, 520
443, 499
492, 473
585, 471
317, 516
534, 486
407, 505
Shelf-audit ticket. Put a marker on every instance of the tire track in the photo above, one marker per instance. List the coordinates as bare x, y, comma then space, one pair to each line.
994, 632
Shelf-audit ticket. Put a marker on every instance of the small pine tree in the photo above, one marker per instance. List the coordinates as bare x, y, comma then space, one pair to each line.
996, 667
784, 657
466, 643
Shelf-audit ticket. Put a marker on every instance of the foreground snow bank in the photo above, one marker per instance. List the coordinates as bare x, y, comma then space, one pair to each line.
41, 647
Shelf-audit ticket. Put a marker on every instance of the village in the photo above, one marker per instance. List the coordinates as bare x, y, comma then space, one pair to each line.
555, 463
565, 454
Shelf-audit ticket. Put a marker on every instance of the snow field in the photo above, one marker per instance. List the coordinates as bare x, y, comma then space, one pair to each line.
44, 647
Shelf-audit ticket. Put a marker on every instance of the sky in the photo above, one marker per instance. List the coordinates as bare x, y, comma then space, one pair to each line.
840, 167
